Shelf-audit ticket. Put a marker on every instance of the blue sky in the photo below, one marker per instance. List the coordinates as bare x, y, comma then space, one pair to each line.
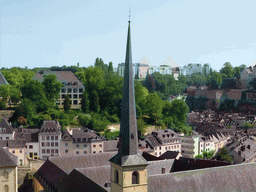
63, 32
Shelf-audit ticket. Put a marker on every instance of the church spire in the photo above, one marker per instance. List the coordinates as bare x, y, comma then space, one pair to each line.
128, 137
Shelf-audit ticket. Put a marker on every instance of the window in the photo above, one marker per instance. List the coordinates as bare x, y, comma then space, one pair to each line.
21, 162
100, 151
43, 144
80, 96
69, 90
43, 150
6, 175
6, 188
35, 154
75, 102
48, 151
85, 145
66, 151
155, 153
100, 145
81, 90
70, 96
63, 96
13, 151
163, 170
56, 137
20, 151
74, 90
56, 151
135, 177
85, 152
30, 146
7, 137
159, 148
94, 151
48, 144
94, 146
56, 144
116, 176
75, 96
77, 152
52, 150
52, 137
66, 144
47, 137
43, 138
63, 90
52, 144
77, 146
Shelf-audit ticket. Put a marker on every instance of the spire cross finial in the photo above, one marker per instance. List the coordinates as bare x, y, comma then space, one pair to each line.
130, 13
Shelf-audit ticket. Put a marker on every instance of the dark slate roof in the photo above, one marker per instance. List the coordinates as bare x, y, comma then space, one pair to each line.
50, 126
5, 124
13, 143
66, 136
62, 76
153, 141
99, 175
110, 145
7, 159
155, 167
3, 80
184, 164
128, 152
68, 163
16, 143
28, 137
240, 177
77, 182
150, 157
50, 173
85, 133
169, 155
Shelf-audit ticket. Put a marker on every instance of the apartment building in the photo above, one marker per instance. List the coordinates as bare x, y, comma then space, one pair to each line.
72, 86
80, 142
6, 130
49, 138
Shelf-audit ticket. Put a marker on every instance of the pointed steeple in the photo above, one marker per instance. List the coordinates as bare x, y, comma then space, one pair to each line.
128, 153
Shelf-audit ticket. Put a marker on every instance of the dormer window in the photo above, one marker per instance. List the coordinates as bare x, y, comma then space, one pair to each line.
132, 136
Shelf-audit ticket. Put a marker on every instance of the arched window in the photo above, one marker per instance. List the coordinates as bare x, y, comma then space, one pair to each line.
116, 176
6, 188
6, 175
135, 177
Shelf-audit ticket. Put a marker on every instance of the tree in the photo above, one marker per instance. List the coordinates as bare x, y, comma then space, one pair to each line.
227, 105
95, 106
179, 112
85, 102
206, 154
84, 119
141, 126
52, 87
217, 77
110, 67
153, 107
223, 155
111, 135
237, 71
67, 103
227, 70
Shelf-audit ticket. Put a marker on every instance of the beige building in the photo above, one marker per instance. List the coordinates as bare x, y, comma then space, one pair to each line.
72, 86
8, 171
81, 142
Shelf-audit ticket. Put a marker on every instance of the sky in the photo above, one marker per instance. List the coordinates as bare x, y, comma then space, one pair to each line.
177, 32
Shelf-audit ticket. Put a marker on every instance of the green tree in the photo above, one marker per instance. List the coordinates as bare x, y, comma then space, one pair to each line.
179, 112
111, 135
94, 104
52, 87
153, 107
237, 72
84, 119
217, 77
110, 67
141, 126
227, 70
223, 155
67, 103
85, 102
206, 154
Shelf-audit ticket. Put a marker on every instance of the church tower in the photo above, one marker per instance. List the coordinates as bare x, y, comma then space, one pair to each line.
128, 167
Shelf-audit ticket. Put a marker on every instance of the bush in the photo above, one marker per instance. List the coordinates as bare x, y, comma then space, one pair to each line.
84, 119
3, 105
111, 135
